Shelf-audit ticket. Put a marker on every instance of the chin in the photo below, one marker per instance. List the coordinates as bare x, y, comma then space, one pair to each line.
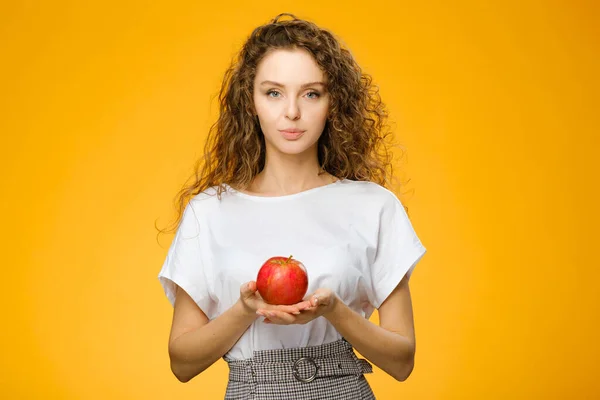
292, 149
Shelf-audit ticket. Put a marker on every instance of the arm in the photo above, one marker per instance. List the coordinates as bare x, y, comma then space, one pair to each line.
195, 343
391, 345
191, 333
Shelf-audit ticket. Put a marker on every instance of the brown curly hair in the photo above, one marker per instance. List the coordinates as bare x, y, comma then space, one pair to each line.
352, 145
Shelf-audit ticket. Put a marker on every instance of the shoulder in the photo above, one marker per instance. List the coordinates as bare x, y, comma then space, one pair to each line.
206, 201
212, 194
372, 193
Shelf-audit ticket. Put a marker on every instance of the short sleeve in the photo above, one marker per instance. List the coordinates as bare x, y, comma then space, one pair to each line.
183, 265
398, 251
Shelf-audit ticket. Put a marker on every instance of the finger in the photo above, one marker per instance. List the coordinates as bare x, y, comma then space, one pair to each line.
279, 317
304, 305
287, 309
320, 298
315, 300
248, 288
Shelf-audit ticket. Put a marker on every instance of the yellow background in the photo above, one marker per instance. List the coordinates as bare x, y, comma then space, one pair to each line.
105, 106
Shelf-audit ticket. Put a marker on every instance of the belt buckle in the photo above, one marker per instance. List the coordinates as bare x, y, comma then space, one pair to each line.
295, 369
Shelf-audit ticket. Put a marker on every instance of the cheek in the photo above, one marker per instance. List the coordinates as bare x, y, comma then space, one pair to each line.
268, 119
322, 108
319, 115
266, 112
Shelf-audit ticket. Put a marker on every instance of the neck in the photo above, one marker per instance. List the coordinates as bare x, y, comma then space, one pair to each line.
289, 176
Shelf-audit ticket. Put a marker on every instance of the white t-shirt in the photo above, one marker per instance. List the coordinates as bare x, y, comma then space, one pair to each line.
353, 237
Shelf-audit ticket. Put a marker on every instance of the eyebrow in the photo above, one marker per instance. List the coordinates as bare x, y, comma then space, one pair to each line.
303, 86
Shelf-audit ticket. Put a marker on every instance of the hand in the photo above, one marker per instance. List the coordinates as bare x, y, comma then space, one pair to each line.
319, 303
251, 302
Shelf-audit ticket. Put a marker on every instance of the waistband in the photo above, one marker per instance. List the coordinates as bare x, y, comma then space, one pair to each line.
299, 363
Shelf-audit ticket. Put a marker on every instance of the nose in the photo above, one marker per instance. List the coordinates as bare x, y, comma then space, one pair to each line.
292, 110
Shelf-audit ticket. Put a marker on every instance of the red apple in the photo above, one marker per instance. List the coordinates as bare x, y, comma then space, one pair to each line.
282, 281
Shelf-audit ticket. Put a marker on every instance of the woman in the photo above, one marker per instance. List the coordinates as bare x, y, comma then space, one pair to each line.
294, 165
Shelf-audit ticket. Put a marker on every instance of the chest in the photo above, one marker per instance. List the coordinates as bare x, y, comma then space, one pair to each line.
337, 255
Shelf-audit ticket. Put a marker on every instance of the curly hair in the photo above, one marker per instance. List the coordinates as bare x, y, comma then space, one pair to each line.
353, 145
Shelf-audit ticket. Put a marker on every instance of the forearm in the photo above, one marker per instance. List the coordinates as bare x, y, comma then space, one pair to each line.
193, 352
390, 351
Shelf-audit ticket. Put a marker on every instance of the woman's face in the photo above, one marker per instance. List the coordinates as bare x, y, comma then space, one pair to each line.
288, 96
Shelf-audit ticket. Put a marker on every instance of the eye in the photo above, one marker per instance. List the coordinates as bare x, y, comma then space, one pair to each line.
316, 95
272, 91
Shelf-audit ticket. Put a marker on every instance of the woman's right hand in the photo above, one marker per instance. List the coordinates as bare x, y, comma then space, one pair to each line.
251, 301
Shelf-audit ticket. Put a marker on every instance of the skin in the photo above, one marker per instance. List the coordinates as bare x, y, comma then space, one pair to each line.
291, 167
390, 346
287, 95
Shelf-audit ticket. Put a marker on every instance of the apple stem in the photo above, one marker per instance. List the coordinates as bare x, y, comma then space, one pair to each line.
288, 260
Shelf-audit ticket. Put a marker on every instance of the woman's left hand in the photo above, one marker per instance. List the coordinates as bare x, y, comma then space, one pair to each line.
319, 303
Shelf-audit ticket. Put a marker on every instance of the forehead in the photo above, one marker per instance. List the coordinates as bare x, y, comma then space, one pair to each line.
289, 67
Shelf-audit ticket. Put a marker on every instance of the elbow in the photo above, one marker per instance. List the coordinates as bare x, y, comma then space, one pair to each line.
177, 367
182, 374
181, 367
181, 378
403, 370
179, 374
404, 363
183, 371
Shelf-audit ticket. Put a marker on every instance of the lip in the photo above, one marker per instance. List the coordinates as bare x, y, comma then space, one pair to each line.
291, 130
291, 134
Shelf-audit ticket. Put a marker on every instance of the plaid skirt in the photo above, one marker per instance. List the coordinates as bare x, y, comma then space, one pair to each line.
328, 371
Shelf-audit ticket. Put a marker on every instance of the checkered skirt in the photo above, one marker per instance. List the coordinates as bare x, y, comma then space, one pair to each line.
329, 371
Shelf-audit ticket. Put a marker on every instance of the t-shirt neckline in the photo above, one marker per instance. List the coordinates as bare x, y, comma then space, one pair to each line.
286, 196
